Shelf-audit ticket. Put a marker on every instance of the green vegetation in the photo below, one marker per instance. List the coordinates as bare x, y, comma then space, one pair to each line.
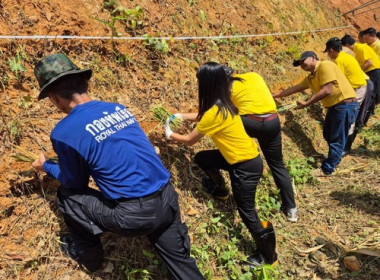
156, 45
131, 19
299, 170
16, 64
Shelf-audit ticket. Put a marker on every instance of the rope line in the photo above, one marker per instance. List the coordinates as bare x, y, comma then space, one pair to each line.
35, 37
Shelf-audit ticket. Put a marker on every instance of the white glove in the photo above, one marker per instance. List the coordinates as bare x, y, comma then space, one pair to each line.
168, 130
176, 115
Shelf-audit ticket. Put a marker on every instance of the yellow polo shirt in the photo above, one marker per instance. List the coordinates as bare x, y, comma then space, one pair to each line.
351, 69
327, 72
228, 135
252, 95
376, 47
364, 52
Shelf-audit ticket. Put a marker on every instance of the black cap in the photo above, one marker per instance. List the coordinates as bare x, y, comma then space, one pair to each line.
333, 43
304, 55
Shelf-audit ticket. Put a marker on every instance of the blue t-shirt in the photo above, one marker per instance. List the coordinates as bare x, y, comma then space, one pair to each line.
104, 140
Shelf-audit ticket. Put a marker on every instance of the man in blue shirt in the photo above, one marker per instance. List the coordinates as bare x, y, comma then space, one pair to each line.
103, 140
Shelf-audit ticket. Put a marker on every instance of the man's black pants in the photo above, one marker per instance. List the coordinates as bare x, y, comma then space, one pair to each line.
88, 214
375, 78
244, 179
268, 133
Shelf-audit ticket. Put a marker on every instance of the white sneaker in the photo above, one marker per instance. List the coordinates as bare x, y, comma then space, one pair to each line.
292, 214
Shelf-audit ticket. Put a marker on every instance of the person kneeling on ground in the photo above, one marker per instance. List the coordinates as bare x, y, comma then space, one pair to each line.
237, 153
103, 140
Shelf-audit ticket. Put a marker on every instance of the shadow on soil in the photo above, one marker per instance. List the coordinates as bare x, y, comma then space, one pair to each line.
364, 201
296, 132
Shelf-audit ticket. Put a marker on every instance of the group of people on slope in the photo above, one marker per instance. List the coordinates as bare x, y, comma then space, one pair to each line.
347, 85
103, 140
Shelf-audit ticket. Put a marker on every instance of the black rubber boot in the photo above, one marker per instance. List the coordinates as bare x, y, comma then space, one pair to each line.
214, 184
89, 257
265, 240
350, 140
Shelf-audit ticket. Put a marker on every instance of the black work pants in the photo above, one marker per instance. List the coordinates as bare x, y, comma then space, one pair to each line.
268, 133
88, 214
375, 78
244, 179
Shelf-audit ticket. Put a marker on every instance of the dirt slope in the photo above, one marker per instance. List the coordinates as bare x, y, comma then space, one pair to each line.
343, 210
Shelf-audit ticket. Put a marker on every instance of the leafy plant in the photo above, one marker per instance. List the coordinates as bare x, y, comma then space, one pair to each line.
265, 272
156, 45
133, 17
16, 65
299, 170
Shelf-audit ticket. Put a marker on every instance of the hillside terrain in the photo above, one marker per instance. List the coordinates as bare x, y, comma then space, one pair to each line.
339, 215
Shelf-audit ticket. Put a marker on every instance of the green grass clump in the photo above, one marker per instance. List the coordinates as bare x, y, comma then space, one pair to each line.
161, 114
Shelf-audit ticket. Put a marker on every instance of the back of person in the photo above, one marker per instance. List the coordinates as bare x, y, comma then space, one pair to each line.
107, 139
326, 72
251, 95
228, 135
363, 52
351, 69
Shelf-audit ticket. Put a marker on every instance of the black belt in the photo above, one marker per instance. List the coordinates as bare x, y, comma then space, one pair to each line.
261, 119
144, 198
345, 101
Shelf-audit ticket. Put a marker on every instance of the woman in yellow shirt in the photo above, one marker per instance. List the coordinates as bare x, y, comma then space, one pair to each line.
237, 153
258, 111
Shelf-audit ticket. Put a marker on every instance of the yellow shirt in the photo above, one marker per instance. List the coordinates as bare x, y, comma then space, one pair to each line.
228, 135
364, 52
376, 47
327, 72
351, 69
252, 95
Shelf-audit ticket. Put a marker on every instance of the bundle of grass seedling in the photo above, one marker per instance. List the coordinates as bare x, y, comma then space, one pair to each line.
287, 107
161, 114
26, 156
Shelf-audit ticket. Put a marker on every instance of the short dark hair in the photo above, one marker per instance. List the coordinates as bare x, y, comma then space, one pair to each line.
214, 88
347, 40
361, 33
69, 85
378, 34
370, 31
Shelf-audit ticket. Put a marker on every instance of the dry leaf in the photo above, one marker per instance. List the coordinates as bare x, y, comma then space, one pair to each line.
351, 263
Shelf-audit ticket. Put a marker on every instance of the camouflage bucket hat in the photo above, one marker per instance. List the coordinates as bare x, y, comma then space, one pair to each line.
53, 67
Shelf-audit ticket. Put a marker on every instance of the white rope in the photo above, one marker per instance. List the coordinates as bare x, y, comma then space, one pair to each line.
35, 37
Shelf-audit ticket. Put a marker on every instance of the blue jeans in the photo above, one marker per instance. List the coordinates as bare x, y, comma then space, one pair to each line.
335, 131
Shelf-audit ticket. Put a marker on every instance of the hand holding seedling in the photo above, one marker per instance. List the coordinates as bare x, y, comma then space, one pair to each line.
301, 104
38, 163
168, 130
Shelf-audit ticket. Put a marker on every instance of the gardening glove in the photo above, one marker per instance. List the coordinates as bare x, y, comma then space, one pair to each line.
176, 115
168, 130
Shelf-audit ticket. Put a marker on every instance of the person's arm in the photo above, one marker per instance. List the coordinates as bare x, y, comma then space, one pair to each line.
368, 63
289, 91
186, 116
325, 91
190, 116
71, 171
189, 139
